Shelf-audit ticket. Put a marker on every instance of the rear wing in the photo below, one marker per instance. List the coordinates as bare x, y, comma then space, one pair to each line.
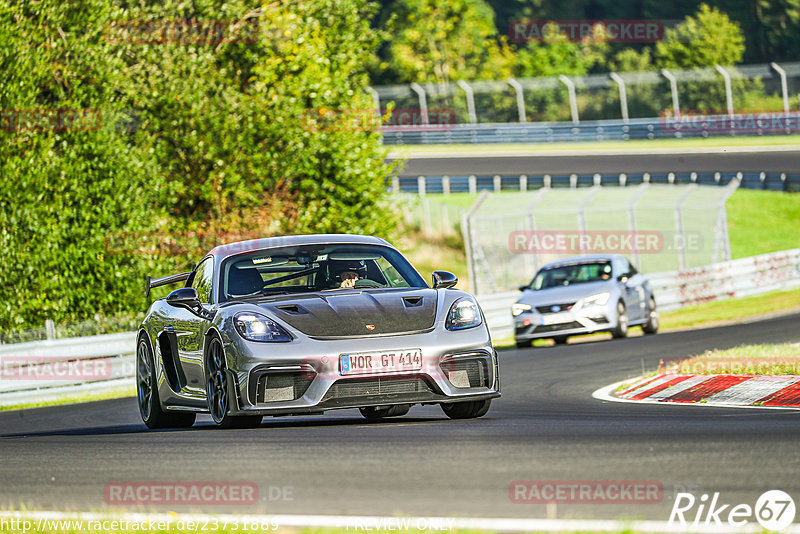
165, 281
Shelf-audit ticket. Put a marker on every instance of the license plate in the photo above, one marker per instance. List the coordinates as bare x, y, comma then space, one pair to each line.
380, 362
555, 318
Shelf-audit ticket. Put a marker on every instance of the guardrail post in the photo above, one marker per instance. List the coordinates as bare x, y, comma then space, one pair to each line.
473, 118
623, 95
548, 180
473, 184
573, 181
421, 185
523, 183
446, 185
784, 90
673, 88
497, 182
423, 102
623, 179
376, 99
573, 101
520, 99
728, 91
50, 328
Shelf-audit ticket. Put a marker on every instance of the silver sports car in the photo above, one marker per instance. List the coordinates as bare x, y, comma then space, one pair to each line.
581, 295
300, 325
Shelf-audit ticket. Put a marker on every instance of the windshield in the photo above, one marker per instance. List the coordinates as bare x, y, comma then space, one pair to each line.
567, 275
307, 268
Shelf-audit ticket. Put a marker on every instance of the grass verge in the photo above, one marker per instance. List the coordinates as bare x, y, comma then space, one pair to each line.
75, 399
713, 142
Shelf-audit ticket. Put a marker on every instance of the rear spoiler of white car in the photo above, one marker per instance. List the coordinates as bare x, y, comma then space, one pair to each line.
165, 281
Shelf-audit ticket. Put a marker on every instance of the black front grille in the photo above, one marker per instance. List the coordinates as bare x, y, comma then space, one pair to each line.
549, 308
375, 387
466, 372
281, 386
557, 327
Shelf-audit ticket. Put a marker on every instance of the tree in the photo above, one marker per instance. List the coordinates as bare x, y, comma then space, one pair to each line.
441, 41
709, 38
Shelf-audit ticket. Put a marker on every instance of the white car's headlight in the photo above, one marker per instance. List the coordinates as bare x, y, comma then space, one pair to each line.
256, 327
597, 300
518, 308
464, 313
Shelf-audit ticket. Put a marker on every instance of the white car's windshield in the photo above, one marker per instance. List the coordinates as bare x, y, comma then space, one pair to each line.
566, 275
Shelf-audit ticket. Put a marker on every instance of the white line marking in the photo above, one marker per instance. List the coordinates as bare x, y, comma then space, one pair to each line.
590, 152
605, 394
362, 523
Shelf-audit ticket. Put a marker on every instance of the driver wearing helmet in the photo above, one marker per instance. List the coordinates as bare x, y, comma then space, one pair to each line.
347, 273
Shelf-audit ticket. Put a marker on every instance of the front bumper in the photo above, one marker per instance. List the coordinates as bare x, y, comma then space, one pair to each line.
535, 325
303, 376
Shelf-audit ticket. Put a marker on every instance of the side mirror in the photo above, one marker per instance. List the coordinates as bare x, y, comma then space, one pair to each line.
185, 297
444, 280
523, 288
624, 278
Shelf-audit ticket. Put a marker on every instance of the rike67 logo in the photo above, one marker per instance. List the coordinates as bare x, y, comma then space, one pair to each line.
774, 510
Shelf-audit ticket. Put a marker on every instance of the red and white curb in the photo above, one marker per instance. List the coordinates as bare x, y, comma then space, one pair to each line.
744, 391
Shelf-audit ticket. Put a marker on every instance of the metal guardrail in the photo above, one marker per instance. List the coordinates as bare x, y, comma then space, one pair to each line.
585, 131
21, 382
423, 185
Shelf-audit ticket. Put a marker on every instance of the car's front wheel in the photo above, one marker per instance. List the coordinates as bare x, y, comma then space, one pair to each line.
621, 329
651, 326
147, 393
217, 390
379, 412
466, 410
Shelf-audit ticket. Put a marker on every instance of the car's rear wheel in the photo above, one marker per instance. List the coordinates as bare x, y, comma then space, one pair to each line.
651, 326
560, 340
621, 330
466, 410
379, 412
217, 390
147, 393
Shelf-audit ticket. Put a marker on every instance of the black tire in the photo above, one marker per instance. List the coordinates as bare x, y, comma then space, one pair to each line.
218, 390
560, 340
379, 412
652, 324
621, 330
466, 410
524, 343
147, 393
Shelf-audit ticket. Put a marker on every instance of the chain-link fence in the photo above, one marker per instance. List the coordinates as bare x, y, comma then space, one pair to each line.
759, 99
509, 236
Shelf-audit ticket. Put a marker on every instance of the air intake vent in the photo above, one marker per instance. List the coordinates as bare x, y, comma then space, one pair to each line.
292, 308
281, 386
466, 372
412, 302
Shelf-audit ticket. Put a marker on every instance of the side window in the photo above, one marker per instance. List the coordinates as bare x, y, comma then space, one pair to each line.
621, 266
202, 279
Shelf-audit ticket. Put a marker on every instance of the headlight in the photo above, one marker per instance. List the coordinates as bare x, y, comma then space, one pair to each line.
256, 327
464, 313
596, 300
518, 308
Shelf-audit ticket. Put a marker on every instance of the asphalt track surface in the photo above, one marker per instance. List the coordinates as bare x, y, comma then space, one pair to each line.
508, 165
546, 426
